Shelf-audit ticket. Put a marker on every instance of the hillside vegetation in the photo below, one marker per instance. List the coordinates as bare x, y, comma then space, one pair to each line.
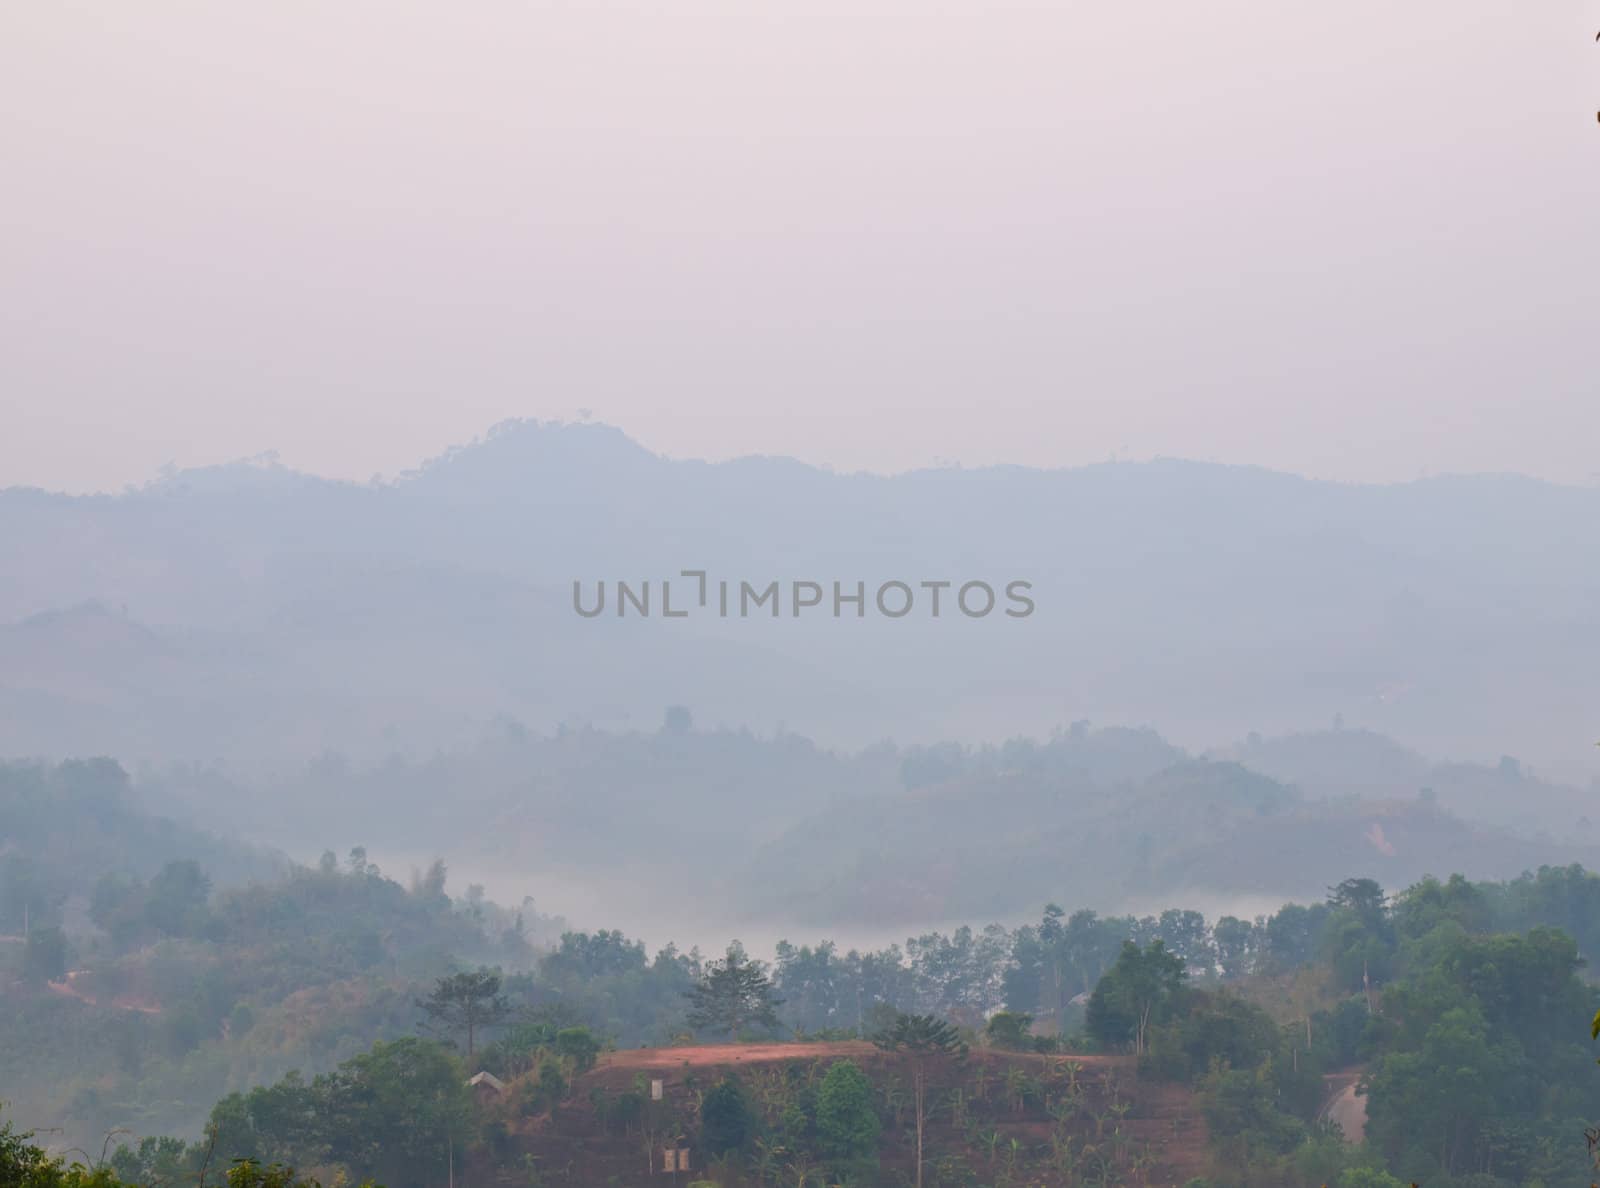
304, 1016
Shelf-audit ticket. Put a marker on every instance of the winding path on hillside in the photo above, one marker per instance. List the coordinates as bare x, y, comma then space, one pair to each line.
1344, 1105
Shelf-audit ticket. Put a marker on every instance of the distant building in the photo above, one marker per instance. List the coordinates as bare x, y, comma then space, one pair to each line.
486, 1087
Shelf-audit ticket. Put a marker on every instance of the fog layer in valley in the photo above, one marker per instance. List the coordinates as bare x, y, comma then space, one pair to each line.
1217, 662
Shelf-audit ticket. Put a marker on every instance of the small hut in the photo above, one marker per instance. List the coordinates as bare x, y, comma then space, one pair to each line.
486, 1088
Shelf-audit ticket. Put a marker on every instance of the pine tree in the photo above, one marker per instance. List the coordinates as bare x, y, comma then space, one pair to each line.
467, 1002
735, 993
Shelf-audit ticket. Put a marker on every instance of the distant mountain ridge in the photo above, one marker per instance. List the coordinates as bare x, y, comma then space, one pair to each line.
295, 614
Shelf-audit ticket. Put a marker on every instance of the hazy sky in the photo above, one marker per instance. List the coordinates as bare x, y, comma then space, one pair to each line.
1358, 239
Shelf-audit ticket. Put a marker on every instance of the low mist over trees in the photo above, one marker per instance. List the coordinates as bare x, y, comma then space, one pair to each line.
310, 1008
1458, 1006
807, 836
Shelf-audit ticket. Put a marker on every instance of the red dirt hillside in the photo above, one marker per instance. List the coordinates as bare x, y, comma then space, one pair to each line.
994, 1117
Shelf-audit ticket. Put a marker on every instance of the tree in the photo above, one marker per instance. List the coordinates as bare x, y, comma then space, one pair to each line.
734, 993
726, 1119
1367, 1177
810, 980
246, 1173
1089, 945
25, 1165
280, 1123
468, 1001
1009, 1029
847, 1125
1294, 934
1037, 976
925, 1037
175, 902
1243, 1117
578, 1046
1235, 941
156, 1160
1185, 934
1364, 897
1438, 1097
584, 958
551, 1088
396, 1112
1133, 994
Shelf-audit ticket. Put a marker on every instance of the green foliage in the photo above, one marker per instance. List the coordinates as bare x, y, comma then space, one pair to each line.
155, 1162
1242, 1110
24, 1165
847, 1124
735, 993
546, 1094
1481, 1069
620, 992
246, 1173
1366, 1177
1203, 1030
578, 1047
466, 1002
391, 1113
727, 1120
1134, 995
1009, 1029
1473, 1039
1238, 945
1294, 936
1476, 1072
175, 903
920, 1034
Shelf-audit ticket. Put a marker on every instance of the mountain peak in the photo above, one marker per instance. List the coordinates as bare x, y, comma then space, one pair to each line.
502, 459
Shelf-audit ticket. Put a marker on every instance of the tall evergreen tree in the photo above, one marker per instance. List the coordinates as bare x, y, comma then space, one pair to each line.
467, 1001
735, 993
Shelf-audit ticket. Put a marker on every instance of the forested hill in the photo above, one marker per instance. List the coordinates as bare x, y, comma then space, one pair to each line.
786, 833
62, 826
1031, 826
330, 1018
249, 611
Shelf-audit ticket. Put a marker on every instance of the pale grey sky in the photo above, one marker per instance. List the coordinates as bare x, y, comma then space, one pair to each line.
1358, 240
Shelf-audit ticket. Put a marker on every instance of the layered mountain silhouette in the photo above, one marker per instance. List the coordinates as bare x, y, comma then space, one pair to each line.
248, 611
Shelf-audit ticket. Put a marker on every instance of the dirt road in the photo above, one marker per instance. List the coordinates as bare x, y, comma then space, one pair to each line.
68, 987
702, 1055
1344, 1106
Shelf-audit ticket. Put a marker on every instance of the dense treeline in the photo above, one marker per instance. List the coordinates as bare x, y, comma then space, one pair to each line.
138, 992
1475, 1066
1462, 1001
152, 969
